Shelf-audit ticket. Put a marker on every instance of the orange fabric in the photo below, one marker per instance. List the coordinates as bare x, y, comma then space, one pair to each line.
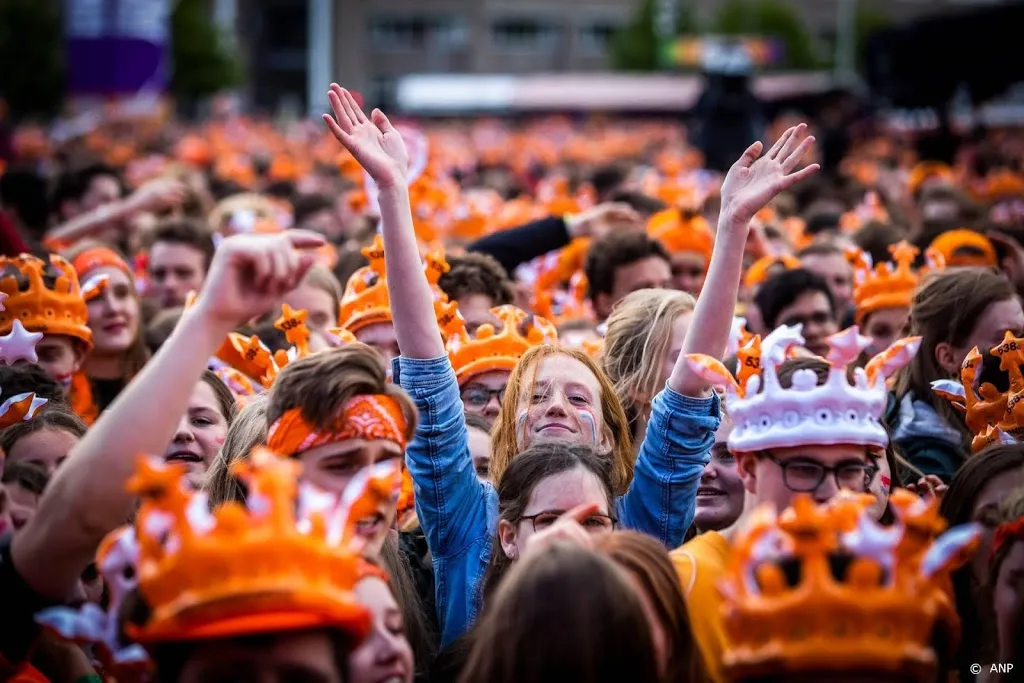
99, 257
81, 398
374, 417
1010, 532
701, 564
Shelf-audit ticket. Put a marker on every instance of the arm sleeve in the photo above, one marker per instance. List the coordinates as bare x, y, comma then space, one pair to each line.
525, 243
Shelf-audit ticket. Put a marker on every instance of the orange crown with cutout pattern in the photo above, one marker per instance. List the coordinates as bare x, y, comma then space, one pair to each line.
45, 297
266, 568
366, 300
993, 416
820, 590
887, 285
490, 349
682, 232
761, 269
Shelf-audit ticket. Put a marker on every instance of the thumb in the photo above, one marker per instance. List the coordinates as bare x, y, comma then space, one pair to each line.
305, 239
751, 155
381, 121
581, 512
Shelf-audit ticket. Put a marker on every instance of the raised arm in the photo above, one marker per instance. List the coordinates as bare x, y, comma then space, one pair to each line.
751, 183
379, 149
86, 498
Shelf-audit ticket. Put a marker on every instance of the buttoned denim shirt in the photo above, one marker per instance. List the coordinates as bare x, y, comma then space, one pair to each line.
459, 514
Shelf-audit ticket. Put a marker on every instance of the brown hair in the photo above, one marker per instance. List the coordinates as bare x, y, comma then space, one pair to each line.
320, 384
648, 562
945, 309
957, 507
161, 326
475, 273
538, 629
638, 337
137, 355
323, 279
55, 418
187, 231
1010, 511
505, 438
225, 399
247, 431
531, 467
418, 629
607, 255
875, 238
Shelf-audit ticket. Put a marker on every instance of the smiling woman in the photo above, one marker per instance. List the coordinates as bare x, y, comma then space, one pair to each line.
119, 350
202, 429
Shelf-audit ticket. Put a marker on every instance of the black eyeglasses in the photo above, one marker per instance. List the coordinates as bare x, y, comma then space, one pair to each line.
593, 523
479, 397
805, 476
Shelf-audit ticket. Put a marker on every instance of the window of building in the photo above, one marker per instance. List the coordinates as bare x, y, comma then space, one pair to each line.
524, 34
596, 38
417, 33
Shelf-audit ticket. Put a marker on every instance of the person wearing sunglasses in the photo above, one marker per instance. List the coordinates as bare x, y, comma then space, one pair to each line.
802, 427
800, 297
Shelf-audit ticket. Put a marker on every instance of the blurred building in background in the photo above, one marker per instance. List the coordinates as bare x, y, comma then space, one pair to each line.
369, 45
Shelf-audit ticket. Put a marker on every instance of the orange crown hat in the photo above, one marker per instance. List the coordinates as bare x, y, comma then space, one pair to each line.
562, 306
682, 232
20, 408
965, 248
877, 615
493, 350
366, 301
887, 285
1003, 184
760, 270
993, 416
44, 297
238, 571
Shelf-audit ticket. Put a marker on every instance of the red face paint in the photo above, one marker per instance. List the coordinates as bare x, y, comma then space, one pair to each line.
885, 481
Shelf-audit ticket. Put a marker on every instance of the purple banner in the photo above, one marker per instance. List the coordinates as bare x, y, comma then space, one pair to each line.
116, 47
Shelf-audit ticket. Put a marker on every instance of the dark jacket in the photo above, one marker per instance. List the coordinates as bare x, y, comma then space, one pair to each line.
924, 438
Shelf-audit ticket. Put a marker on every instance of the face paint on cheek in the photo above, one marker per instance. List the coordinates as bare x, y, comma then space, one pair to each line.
588, 423
64, 380
521, 424
886, 483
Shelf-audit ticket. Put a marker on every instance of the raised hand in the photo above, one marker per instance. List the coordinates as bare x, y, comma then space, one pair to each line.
755, 180
374, 142
599, 220
250, 273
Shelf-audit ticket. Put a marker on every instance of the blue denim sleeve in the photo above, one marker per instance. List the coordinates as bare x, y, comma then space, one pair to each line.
661, 499
451, 502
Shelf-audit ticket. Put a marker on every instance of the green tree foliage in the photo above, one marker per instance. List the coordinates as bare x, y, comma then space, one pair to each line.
31, 55
203, 64
769, 18
635, 47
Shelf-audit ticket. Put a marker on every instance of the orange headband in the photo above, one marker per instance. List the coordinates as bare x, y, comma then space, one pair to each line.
99, 257
374, 417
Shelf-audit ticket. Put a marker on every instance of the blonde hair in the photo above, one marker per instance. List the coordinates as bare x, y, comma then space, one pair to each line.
638, 337
321, 278
247, 431
505, 438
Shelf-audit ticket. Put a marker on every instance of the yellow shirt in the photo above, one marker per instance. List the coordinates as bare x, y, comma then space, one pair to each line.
701, 563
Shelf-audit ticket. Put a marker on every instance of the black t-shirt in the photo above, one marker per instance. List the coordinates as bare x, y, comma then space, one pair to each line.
105, 391
19, 605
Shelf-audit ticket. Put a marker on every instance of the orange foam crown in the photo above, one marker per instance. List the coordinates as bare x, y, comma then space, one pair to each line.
827, 589
239, 571
366, 300
887, 285
45, 297
493, 350
992, 416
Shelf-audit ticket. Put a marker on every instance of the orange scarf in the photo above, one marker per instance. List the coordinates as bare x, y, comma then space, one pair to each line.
81, 399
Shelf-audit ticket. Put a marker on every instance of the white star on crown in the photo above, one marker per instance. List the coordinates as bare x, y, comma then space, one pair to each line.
19, 344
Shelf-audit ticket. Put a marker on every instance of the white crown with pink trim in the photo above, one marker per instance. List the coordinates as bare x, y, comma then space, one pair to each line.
842, 411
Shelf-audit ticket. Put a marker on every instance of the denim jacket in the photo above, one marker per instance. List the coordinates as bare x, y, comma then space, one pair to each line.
459, 513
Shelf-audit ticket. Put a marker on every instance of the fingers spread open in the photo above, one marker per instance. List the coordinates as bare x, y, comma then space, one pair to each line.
381, 121
750, 155
774, 151
791, 142
793, 160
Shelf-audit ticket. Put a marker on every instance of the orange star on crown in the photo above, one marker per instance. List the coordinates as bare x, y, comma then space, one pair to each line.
493, 350
293, 324
888, 285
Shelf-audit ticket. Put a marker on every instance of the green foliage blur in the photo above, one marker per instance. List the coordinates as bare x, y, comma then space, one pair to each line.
202, 64
636, 48
31, 56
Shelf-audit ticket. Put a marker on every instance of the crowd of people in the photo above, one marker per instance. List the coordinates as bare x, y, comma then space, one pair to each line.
482, 401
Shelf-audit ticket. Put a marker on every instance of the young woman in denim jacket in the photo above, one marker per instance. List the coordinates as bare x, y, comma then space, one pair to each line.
565, 398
